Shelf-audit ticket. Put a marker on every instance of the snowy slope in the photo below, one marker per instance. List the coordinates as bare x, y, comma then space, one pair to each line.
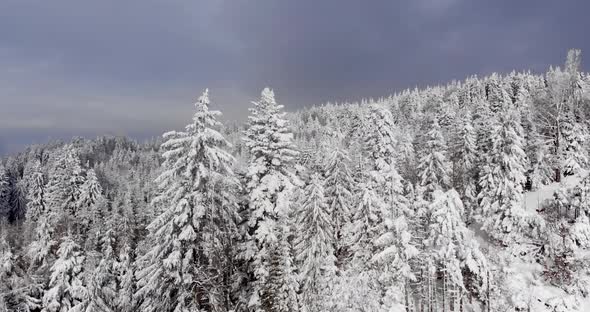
533, 200
525, 282
524, 287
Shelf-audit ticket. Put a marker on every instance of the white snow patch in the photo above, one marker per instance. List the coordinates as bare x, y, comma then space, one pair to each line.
532, 200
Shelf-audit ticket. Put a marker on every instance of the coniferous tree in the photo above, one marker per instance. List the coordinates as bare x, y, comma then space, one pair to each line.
339, 187
66, 290
40, 251
125, 280
4, 192
315, 246
464, 158
270, 185
432, 165
392, 242
36, 197
502, 180
181, 270
17, 290
18, 200
575, 156
90, 195
453, 249
102, 283
63, 190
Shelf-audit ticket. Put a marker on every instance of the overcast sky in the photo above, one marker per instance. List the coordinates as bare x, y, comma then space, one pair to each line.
134, 67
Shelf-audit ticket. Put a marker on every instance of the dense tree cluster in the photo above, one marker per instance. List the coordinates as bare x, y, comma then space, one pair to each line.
405, 203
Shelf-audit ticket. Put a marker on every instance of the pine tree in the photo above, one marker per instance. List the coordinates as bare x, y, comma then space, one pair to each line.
181, 271
502, 180
279, 293
433, 162
89, 200
453, 249
380, 144
102, 290
391, 239
315, 246
40, 251
497, 97
575, 156
63, 190
36, 197
270, 185
66, 290
16, 288
18, 200
360, 233
464, 159
4, 192
125, 280
339, 187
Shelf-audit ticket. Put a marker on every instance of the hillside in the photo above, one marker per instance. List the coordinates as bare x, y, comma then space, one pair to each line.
473, 196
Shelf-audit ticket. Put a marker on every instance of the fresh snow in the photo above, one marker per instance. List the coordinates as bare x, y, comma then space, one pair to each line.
533, 200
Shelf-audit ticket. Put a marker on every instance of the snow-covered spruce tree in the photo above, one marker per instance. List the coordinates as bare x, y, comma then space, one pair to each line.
125, 280
270, 186
66, 291
89, 199
483, 120
280, 291
102, 290
4, 192
36, 197
497, 97
380, 146
18, 199
131, 216
464, 158
16, 288
539, 167
360, 234
420, 286
63, 190
339, 187
185, 267
454, 251
40, 249
392, 242
433, 166
502, 179
315, 247
575, 155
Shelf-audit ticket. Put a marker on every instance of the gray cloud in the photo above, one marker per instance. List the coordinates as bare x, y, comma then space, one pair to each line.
134, 67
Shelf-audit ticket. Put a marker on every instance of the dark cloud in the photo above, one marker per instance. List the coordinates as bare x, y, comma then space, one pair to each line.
71, 67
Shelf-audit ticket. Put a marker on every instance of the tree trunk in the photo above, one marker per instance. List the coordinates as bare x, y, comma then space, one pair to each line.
444, 291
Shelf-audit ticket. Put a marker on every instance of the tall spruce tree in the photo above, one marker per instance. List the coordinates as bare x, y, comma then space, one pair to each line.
433, 164
392, 242
182, 270
454, 252
4, 193
339, 188
464, 158
36, 197
270, 183
502, 180
66, 291
315, 247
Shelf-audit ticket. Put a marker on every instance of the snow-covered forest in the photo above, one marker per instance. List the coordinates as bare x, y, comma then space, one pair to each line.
472, 196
